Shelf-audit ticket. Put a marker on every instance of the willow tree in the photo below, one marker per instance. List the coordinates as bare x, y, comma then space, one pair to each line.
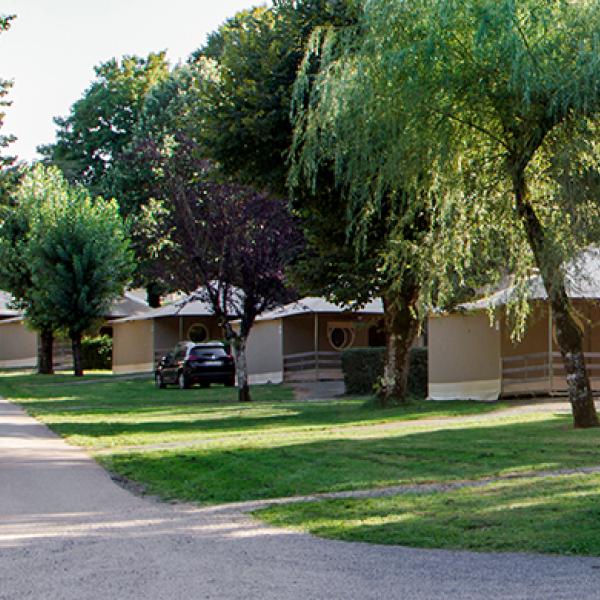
489, 108
345, 126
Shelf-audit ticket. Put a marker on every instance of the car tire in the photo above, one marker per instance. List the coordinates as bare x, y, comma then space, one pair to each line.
205, 384
230, 382
182, 381
159, 382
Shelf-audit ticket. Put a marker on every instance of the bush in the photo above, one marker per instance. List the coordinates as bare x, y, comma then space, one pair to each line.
96, 352
363, 368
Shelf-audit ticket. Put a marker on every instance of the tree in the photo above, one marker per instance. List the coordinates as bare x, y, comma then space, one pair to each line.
230, 245
15, 266
100, 124
94, 141
79, 255
489, 109
247, 129
173, 106
5, 85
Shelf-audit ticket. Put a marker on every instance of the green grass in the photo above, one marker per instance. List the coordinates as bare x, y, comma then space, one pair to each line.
277, 447
550, 515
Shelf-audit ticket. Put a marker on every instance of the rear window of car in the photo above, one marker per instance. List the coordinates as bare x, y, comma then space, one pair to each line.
206, 352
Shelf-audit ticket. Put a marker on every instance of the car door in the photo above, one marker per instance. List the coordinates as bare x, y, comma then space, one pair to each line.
179, 357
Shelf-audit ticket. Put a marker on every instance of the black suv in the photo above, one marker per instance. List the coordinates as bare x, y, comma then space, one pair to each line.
189, 363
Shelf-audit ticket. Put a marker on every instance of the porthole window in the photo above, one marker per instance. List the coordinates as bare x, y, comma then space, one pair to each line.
198, 333
341, 335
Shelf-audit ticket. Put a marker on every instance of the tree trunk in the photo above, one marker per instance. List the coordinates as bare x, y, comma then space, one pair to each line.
45, 352
241, 367
401, 329
153, 294
568, 332
76, 348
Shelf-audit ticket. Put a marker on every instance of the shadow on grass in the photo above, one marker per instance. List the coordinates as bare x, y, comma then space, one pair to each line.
137, 407
217, 474
536, 515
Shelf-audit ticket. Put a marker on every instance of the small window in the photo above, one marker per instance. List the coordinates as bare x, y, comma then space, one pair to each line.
341, 335
198, 333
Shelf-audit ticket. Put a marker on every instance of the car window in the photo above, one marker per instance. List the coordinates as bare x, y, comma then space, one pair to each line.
207, 352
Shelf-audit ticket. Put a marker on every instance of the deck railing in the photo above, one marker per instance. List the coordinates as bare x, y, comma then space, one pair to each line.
312, 365
542, 372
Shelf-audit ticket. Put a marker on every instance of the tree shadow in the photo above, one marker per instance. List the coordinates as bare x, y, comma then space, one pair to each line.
224, 474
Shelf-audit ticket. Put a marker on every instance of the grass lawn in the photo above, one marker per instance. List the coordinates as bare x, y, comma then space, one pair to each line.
203, 446
552, 515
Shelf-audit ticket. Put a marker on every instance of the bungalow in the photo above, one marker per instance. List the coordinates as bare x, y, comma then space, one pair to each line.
19, 344
140, 339
472, 356
297, 342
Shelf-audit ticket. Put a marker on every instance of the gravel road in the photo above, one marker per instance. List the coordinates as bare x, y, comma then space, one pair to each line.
67, 531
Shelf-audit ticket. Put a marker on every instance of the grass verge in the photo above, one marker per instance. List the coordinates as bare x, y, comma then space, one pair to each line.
551, 515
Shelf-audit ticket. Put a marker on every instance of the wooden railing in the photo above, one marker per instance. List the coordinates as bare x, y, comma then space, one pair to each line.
312, 365
542, 371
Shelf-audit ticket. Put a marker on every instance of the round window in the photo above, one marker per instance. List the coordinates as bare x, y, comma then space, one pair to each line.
341, 337
198, 333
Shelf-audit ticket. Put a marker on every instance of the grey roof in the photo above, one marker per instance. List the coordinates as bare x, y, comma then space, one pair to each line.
198, 308
582, 279
313, 305
129, 303
181, 308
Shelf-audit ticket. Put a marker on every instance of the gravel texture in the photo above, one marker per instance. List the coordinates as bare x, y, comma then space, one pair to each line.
67, 531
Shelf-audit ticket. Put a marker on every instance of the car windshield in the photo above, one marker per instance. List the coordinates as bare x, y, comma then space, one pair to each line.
207, 352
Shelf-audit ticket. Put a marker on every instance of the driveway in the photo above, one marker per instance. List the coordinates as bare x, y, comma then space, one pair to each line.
67, 531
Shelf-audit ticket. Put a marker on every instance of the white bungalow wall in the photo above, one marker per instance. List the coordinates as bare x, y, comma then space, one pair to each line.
464, 358
265, 352
18, 346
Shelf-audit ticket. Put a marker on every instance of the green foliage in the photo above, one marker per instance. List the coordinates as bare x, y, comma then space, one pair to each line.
363, 370
5, 86
78, 252
454, 103
96, 352
101, 123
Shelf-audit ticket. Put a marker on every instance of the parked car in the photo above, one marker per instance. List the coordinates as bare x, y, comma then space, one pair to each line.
190, 363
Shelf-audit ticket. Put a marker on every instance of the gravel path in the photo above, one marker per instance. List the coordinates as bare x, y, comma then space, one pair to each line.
67, 531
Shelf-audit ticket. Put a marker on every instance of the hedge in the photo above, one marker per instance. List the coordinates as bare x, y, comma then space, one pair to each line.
96, 352
363, 368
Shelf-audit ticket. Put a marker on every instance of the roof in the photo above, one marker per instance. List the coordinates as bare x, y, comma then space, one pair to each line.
131, 302
181, 308
314, 305
582, 280
309, 305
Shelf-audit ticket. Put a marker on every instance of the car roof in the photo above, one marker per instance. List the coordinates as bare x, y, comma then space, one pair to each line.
203, 344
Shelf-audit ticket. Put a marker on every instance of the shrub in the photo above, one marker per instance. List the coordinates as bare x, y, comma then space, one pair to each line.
96, 352
363, 368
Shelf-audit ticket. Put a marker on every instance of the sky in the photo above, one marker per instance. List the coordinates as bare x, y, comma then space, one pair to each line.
53, 45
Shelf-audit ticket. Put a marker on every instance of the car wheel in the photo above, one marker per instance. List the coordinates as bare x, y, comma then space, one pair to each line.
205, 384
230, 382
182, 381
158, 382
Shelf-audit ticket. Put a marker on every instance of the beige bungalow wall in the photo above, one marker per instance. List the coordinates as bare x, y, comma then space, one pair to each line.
18, 346
264, 352
464, 358
299, 338
138, 344
299, 331
133, 349
170, 330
